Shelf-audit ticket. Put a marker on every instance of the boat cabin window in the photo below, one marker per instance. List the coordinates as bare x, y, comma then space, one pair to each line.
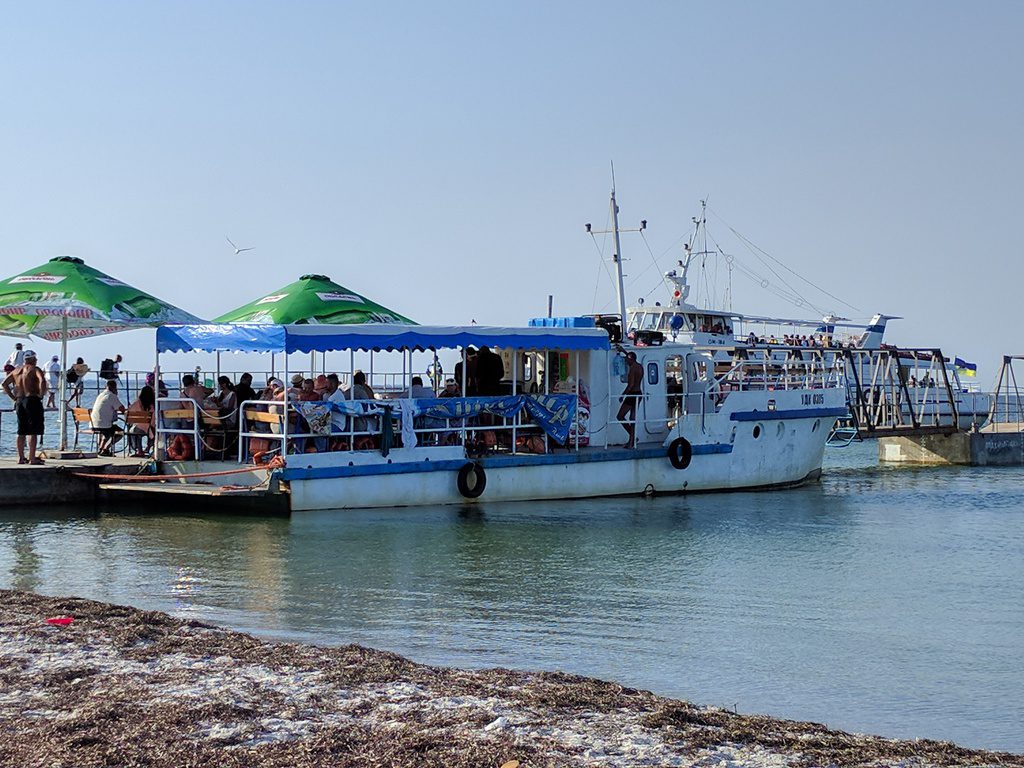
648, 321
652, 373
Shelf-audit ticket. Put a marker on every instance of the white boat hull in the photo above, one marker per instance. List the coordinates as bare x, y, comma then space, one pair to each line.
749, 449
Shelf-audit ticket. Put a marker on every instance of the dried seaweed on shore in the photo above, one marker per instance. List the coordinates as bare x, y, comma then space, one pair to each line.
124, 687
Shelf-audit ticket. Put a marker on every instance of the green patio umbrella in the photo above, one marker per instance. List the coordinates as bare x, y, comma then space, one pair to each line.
313, 299
65, 298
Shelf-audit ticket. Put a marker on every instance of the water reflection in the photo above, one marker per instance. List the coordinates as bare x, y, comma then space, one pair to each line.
878, 600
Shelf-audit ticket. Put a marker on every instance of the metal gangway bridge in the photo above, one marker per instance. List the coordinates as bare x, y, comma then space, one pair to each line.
900, 392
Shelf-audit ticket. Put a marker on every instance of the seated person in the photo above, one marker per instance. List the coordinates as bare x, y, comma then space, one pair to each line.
192, 390
296, 388
104, 415
307, 392
418, 391
360, 390
243, 389
227, 402
145, 403
451, 389
334, 394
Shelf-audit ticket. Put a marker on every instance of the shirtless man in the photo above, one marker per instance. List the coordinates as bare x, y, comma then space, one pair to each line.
630, 397
26, 386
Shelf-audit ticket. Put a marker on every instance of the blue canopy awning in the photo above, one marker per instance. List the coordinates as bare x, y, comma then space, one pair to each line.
375, 337
220, 338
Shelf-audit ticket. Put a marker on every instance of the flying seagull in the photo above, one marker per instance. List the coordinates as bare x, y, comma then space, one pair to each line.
237, 249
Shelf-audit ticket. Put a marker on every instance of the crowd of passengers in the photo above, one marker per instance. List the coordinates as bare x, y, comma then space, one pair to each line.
789, 340
814, 340
483, 376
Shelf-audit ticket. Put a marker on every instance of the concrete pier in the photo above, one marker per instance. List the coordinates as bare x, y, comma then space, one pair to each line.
56, 482
954, 448
999, 445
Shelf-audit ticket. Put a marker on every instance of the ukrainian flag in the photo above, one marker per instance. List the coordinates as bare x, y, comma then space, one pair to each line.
966, 369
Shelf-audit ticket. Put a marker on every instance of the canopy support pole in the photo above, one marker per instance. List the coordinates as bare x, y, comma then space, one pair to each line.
576, 426
284, 421
62, 387
158, 444
465, 367
515, 391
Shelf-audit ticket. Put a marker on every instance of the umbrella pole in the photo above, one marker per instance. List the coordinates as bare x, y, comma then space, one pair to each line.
63, 384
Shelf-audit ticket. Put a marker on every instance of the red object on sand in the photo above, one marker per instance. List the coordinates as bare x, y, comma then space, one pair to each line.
60, 621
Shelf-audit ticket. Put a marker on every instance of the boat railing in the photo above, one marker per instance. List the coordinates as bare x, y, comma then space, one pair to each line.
174, 417
760, 369
263, 420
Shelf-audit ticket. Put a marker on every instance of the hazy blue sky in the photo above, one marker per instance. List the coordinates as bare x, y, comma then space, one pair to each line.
443, 157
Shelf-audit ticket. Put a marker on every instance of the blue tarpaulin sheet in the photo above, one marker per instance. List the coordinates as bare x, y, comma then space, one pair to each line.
329, 338
220, 338
581, 321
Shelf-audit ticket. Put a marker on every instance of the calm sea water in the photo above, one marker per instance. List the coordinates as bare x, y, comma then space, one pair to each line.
882, 600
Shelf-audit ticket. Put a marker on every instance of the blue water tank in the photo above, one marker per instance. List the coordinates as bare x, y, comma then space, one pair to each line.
583, 321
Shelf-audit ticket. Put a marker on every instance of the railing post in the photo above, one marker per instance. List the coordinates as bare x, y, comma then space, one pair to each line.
515, 378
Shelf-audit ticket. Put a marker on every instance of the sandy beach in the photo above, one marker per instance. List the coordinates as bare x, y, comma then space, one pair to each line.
119, 686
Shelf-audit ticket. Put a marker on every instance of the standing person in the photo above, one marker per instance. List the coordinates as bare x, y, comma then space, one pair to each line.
53, 371
76, 376
117, 367
631, 397
26, 385
104, 414
490, 370
17, 358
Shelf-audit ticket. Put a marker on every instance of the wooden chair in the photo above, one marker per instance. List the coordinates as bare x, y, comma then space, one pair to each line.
136, 419
175, 414
83, 425
216, 433
262, 417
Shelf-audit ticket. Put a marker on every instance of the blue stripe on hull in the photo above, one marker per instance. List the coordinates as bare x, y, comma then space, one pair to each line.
802, 413
494, 462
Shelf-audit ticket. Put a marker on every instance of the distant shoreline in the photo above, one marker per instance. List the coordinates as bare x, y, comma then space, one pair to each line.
128, 687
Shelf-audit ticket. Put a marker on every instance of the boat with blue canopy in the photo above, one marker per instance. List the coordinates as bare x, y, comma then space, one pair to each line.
558, 409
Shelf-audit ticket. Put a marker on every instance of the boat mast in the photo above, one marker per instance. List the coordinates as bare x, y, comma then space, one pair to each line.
617, 257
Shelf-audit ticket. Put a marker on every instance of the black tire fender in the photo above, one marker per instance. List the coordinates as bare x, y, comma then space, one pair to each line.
472, 480
680, 452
